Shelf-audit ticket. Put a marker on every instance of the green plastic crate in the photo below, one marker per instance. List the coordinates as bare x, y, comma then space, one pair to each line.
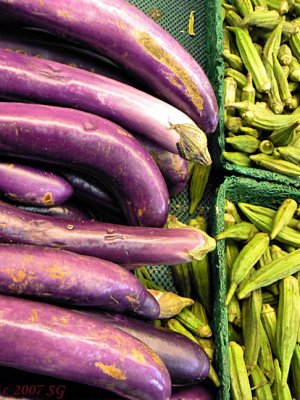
217, 67
236, 189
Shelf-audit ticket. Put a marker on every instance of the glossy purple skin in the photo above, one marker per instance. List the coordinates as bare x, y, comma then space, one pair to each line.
78, 139
41, 44
33, 186
66, 211
173, 167
58, 84
121, 32
192, 393
70, 278
94, 193
185, 360
41, 338
127, 245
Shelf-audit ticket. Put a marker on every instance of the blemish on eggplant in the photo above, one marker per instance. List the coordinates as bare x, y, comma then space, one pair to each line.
111, 370
34, 316
48, 198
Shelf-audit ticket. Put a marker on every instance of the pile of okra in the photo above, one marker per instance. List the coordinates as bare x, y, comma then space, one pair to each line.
262, 254
261, 85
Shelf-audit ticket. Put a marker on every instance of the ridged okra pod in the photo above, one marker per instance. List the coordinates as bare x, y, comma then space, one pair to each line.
240, 78
192, 323
260, 384
282, 136
246, 143
247, 258
233, 18
294, 43
248, 91
230, 87
174, 325
240, 385
269, 321
244, 7
198, 185
251, 310
251, 59
274, 99
281, 392
234, 335
294, 70
274, 40
266, 147
199, 311
285, 54
231, 253
234, 313
288, 319
269, 297
283, 216
260, 3
282, 82
247, 130
237, 157
290, 153
276, 270
295, 372
182, 280
282, 6
234, 124
233, 61
265, 356
231, 209
263, 19
243, 231
272, 164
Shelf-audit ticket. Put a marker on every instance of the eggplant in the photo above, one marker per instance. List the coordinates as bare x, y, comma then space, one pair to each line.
124, 34
53, 83
66, 211
13, 384
185, 360
40, 43
130, 246
50, 340
70, 278
33, 186
81, 140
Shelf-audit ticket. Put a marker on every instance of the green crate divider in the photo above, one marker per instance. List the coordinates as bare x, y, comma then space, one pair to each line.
217, 68
236, 189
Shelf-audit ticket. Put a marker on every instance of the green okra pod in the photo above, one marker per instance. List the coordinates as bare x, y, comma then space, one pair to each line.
234, 335
266, 147
274, 99
282, 136
288, 319
234, 313
227, 40
294, 42
294, 103
266, 257
263, 19
251, 59
198, 185
247, 130
294, 70
282, 6
230, 87
251, 310
191, 322
233, 124
283, 215
237, 158
265, 356
260, 384
231, 253
269, 322
231, 209
174, 325
199, 311
275, 165
260, 3
272, 45
240, 385
269, 297
233, 60
182, 279
281, 392
276, 270
285, 54
240, 78
295, 372
277, 252
248, 91
282, 82
258, 48
247, 258
290, 153
293, 86
244, 7
242, 231
245, 143
233, 18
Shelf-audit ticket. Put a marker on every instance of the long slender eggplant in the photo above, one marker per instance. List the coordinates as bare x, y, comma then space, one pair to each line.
130, 246
28, 185
78, 139
122, 33
50, 340
66, 211
185, 360
54, 83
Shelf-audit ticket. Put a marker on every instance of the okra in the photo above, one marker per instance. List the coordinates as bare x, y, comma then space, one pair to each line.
230, 87
182, 279
200, 273
294, 43
276, 270
260, 384
281, 392
247, 258
240, 78
191, 322
247, 130
283, 215
269, 322
282, 6
273, 43
294, 70
231, 253
198, 185
246, 143
170, 303
231, 209
293, 86
251, 59
248, 91
251, 310
265, 357
233, 124
263, 19
295, 372
240, 385
260, 3
242, 231
234, 314
288, 319
174, 325
234, 335
285, 54
233, 18
266, 257
244, 7
258, 48
269, 297
233, 60
281, 79
199, 311
266, 147
238, 158
282, 136
294, 103
208, 346
275, 165
274, 99
277, 252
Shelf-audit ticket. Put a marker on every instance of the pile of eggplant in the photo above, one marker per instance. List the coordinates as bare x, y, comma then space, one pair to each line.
101, 111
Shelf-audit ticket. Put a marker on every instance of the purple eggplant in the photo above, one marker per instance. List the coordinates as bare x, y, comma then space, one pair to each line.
130, 246
48, 82
70, 278
81, 140
66, 211
126, 35
42, 338
185, 360
33, 186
